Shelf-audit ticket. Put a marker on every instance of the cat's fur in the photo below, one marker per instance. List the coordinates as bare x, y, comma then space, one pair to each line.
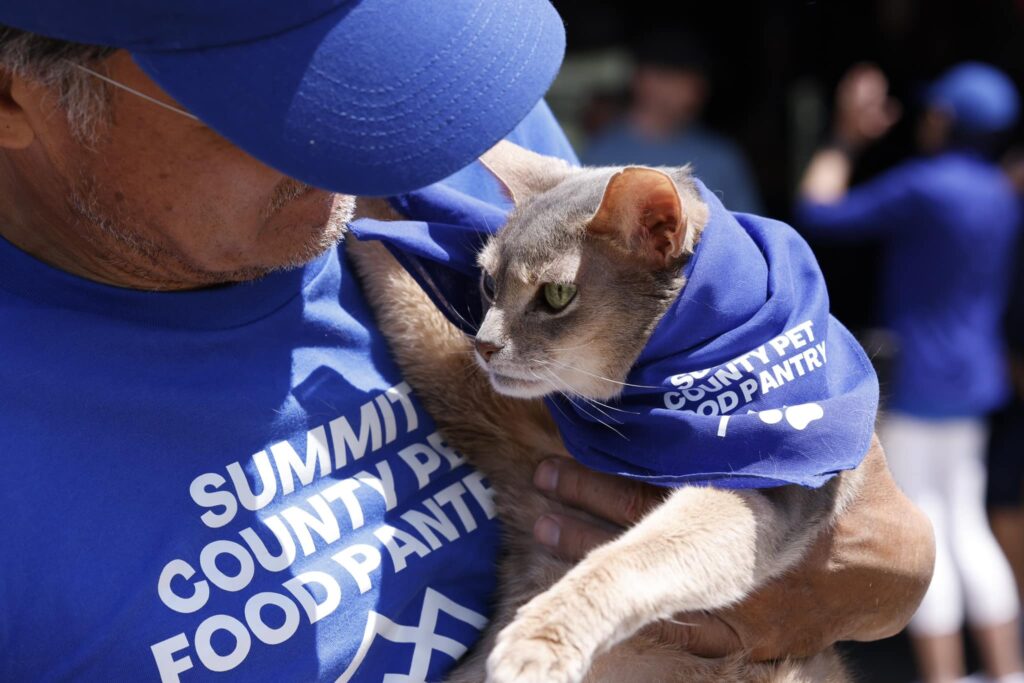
702, 549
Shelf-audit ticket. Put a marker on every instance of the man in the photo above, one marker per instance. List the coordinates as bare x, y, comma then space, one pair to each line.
949, 221
212, 464
670, 89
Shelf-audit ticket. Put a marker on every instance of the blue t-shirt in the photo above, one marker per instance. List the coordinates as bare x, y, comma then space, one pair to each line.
949, 224
229, 484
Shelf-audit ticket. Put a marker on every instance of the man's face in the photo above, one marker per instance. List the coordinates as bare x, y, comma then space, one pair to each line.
161, 190
668, 98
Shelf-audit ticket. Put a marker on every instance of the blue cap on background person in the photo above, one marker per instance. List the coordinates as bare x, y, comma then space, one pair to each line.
980, 98
368, 97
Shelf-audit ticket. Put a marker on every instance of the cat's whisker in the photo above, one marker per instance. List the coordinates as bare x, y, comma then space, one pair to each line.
594, 400
555, 390
594, 404
574, 395
561, 393
558, 407
542, 380
602, 422
590, 374
470, 369
573, 348
611, 407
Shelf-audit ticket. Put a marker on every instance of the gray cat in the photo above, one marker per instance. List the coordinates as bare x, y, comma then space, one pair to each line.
588, 263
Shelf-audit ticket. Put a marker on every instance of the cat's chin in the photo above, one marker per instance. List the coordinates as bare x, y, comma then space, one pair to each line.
518, 387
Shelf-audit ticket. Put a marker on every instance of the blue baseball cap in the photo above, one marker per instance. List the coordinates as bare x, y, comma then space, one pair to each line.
979, 97
370, 97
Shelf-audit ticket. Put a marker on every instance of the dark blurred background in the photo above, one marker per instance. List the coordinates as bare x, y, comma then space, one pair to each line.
773, 67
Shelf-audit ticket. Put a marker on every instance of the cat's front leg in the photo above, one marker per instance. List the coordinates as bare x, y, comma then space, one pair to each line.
703, 548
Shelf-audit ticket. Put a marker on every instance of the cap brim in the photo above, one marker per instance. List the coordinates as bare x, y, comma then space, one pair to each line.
377, 97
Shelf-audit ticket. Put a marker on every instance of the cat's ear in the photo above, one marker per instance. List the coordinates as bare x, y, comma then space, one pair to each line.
641, 207
523, 173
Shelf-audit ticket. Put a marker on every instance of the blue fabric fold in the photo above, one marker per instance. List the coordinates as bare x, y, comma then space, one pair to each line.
747, 381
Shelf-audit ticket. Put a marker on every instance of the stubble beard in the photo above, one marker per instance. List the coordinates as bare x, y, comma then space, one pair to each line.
123, 247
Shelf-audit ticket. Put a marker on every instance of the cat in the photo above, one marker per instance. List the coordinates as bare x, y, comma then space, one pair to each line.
622, 236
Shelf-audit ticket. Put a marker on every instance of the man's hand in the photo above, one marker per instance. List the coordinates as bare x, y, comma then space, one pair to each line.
863, 581
864, 112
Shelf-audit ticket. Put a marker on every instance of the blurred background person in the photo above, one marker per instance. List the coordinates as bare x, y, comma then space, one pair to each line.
1005, 494
670, 87
948, 222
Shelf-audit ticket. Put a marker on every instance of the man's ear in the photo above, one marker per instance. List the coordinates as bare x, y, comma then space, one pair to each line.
15, 130
523, 173
642, 210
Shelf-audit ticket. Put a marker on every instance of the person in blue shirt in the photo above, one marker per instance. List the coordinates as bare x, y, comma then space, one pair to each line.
670, 88
212, 467
948, 221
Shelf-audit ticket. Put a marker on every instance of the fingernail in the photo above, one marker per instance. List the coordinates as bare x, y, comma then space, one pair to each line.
546, 476
547, 531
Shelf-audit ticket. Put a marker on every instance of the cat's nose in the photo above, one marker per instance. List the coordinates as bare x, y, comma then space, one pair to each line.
486, 349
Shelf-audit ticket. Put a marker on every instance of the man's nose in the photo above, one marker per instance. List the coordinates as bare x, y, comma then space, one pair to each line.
486, 349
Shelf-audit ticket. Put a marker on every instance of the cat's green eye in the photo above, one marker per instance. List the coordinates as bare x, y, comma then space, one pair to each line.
559, 294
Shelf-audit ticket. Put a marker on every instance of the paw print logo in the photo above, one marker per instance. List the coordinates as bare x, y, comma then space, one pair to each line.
798, 416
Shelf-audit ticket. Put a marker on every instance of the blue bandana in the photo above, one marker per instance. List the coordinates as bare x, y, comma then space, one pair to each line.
746, 382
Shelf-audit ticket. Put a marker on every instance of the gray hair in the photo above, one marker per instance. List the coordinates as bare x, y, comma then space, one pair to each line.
51, 63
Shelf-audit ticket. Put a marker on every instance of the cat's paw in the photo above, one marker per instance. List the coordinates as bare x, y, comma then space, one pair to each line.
535, 652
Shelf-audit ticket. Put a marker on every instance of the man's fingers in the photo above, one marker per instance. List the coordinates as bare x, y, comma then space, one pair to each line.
620, 502
615, 499
698, 633
568, 537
